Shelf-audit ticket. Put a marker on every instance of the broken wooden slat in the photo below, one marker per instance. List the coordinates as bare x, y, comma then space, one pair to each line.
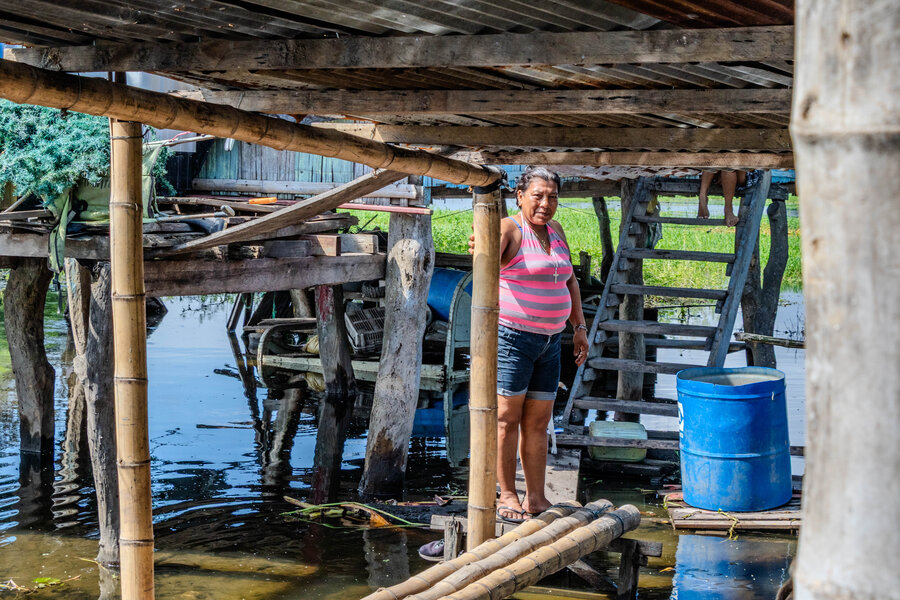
676, 292
681, 221
296, 213
323, 245
194, 277
627, 406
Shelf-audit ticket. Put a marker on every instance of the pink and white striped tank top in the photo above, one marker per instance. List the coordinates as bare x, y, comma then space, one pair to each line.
533, 292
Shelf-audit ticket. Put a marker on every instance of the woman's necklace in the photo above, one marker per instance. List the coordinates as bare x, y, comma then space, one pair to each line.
545, 246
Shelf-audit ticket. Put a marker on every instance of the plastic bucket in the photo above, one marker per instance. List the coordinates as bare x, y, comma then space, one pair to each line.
735, 453
440, 294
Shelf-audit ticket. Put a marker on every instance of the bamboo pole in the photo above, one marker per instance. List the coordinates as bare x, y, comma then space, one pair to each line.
504, 557
130, 362
551, 558
22, 83
429, 577
482, 516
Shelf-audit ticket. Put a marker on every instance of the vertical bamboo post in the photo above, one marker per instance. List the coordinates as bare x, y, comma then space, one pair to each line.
130, 362
482, 518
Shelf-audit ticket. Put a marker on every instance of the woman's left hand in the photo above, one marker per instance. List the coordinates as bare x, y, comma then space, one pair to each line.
580, 343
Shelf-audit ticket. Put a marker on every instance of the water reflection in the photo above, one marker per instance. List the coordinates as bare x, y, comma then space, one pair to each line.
711, 568
224, 452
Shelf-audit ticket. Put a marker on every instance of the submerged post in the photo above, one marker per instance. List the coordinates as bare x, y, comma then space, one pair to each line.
130, 361
482, 518
846, 129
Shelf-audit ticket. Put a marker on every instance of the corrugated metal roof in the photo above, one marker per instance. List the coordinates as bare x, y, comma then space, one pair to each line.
81, 22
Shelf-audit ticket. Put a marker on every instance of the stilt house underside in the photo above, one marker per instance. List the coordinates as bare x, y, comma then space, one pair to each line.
592, 84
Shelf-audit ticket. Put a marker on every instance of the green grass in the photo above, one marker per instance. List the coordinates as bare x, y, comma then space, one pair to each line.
451, 230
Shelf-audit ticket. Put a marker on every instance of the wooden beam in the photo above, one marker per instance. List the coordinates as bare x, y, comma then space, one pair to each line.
696, 160
29, 85
195, 277
294, 214
506, 49
300, 188
474, 102
669, 138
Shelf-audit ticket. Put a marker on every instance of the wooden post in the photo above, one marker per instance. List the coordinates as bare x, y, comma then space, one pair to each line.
23, 303
844, 123
91, 319
482, 515
8, 195
410, 263
606, 241
340, 390
130, 362
759, 302
630, 385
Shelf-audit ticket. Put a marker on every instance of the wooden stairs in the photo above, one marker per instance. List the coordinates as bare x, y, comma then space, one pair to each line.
607, 325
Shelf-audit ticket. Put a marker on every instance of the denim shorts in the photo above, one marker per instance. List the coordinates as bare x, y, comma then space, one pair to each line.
527, 363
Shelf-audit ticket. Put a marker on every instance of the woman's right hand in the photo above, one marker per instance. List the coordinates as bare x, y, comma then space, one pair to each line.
472, 241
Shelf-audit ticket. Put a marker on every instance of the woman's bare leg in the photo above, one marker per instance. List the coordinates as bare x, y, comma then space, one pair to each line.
509, 417
705, 179
729, 184
533, 450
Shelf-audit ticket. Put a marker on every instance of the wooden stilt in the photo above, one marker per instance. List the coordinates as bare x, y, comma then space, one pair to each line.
410, 263
278, 455
630, 384
606, 241
844, 123
483, 383
130, 364
23, 303
340, 389
91, 319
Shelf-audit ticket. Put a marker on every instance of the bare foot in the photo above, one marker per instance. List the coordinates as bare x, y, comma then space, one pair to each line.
536, 505
509, 506
730, 219
703, 209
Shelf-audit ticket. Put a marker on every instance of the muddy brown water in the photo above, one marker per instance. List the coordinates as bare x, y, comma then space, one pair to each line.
217, 492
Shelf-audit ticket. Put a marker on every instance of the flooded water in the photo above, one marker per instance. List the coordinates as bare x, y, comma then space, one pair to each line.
218, 488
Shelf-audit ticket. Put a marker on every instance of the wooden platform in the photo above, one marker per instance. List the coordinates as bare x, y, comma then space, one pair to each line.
783, 518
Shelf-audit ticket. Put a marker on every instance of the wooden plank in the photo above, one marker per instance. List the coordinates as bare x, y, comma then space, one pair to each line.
776, 140
643, 254
690, 160
300, 188
21, 215
240, 205
584, 188
627, 406
681, 344
195, 277
691, 187
757, 338
505, 49
433, 376
638, 366
323, 245
675, 292
654, 327
682, 221
474, 102
584, 441
296, 213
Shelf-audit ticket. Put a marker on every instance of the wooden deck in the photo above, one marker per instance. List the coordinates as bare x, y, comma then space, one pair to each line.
783, 518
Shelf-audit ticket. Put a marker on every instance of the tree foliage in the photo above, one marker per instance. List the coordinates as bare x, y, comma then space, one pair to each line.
45, 151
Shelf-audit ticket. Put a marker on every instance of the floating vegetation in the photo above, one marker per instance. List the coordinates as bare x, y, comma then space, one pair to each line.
40, 583
348, 514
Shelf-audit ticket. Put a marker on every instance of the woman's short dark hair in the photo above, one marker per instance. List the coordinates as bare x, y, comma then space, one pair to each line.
530, 173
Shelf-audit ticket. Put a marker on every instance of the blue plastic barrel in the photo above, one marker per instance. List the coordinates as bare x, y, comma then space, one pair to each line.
440, 294
735, 453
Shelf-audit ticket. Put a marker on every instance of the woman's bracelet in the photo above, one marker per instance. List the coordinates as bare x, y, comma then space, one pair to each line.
581, 326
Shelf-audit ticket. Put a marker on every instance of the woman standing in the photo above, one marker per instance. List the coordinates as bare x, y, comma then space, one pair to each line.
538, 293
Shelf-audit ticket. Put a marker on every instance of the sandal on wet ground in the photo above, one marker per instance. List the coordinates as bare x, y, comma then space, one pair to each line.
433, 551
511, 519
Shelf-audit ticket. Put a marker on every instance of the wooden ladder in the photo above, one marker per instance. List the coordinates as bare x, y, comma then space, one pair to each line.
606, 327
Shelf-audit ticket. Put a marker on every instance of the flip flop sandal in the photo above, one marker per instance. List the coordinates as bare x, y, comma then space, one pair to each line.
511, 519
531, 514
